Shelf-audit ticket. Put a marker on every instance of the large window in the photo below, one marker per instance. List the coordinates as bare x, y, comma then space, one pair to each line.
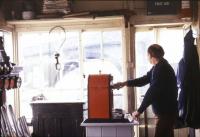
83, 53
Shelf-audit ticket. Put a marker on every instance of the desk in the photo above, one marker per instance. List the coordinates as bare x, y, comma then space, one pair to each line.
62, 119
109, 129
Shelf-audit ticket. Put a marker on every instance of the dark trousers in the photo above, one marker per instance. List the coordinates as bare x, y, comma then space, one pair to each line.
165, 126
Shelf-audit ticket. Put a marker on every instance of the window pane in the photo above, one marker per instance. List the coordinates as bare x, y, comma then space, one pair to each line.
142, 42
70, 78
40, 76
112, 53
8, 44
91, 42
112, 44
33, 57
172, 43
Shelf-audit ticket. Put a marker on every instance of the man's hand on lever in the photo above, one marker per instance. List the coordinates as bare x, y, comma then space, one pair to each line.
118, 85
136, 115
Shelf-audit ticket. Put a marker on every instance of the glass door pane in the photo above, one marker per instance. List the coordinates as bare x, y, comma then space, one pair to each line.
171, 39
142, 41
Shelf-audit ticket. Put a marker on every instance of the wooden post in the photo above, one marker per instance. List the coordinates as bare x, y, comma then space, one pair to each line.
146, 124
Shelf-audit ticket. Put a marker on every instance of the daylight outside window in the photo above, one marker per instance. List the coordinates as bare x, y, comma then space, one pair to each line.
83, 53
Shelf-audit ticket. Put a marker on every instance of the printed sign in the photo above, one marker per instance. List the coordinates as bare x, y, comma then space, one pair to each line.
162, 7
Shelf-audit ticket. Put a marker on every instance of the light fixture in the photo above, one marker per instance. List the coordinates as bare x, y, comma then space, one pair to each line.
62, 36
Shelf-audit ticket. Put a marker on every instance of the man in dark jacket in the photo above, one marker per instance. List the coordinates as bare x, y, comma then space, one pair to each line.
162, 93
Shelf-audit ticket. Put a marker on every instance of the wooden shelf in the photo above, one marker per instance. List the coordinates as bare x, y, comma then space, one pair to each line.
62, 20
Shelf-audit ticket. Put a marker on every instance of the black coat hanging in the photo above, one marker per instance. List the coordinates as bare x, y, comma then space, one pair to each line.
188, 77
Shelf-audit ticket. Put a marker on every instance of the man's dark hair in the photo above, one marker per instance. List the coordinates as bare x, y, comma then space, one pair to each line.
156, 51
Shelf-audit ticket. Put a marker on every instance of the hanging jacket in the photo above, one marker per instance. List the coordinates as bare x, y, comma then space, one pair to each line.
188, 79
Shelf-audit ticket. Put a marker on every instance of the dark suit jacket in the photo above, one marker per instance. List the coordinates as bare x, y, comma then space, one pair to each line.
162, 93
